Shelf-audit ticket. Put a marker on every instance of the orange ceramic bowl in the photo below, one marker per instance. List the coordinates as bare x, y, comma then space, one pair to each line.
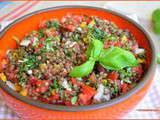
116, 108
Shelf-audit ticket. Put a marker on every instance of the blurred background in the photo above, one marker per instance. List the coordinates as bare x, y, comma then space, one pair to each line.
140, 11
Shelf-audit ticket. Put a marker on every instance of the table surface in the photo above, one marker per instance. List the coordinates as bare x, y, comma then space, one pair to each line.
142, 10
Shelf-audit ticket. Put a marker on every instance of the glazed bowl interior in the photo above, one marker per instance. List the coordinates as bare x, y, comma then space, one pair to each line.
26, 24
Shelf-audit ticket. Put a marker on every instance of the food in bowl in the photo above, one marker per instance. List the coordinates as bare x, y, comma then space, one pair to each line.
78, 60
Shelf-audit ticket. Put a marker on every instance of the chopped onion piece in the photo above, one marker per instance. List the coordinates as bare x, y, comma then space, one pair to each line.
66, 85
139, 51
25, 42
100, 93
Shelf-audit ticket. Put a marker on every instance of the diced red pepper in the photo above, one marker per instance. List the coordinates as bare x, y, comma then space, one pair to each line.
40, 45
42, 39
113, 76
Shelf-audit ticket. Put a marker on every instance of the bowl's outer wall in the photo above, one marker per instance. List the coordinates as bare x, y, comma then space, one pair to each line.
31, 23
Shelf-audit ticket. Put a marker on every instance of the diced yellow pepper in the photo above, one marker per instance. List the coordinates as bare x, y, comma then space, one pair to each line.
24, 92
16, 39
17, 87
43, 66
53, 91
141, 60
15, 55
92, 23
83, 24
3, 77
104, 82
85, 40
124, 39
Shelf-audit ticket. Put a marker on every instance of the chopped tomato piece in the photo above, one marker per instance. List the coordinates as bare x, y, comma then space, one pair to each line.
70, 27
89, 91
83, 99
40, 45
73, 80
42, 39
113, 76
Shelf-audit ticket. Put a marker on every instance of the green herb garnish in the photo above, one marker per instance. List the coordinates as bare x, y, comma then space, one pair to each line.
115, 88
114, 58
55, 24
55, 84
73, 100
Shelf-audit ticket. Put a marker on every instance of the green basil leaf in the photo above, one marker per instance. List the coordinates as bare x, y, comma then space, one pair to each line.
156, 21
116, 58
94, 49
156, 15
156, 27
83, 70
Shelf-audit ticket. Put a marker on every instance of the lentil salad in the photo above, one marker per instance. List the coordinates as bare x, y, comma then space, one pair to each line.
40, 68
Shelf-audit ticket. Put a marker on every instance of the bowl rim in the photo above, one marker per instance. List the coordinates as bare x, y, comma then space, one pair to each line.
114, 101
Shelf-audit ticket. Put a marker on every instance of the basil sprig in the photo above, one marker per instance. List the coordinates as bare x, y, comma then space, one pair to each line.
114, 58
156, 20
